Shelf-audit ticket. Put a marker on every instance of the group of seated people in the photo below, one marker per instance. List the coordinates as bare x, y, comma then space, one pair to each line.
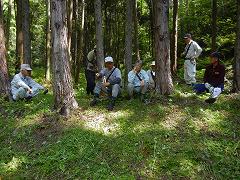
140, 81
109, 81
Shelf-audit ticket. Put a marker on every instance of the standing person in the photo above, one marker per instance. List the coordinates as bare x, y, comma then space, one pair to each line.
138, 81
213, 78
91, 70
110, 83
23, 86
152, 75
191, 52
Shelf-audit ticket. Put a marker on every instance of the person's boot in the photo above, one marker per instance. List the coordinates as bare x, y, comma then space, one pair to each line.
111, 104
210, 100
95, 100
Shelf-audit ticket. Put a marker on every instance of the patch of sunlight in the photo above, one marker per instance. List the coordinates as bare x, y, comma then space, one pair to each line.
103, 122
141, 127
185, 94
212, 118
172, 120
13, 165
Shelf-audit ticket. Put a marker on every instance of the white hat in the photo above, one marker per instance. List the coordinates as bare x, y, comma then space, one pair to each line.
108, 59
26, 67
153, 63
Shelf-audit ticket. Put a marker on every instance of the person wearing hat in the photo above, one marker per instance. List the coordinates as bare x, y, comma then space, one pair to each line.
110, 83
138, 81
151, 75
91, 70
23, 86
191, 52
213, 78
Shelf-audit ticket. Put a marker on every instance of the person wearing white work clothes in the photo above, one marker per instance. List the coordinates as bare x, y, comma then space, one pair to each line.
109, 83
191, 52
138, 81
23, 86
152, 76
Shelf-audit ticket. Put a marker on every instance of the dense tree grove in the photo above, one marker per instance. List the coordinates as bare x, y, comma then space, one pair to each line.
127, 30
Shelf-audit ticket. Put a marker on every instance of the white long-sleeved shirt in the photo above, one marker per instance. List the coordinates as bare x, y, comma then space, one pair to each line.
25, 82
194, 51
133, 79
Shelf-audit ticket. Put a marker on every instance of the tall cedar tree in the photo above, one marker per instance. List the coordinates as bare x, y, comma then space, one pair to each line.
64, 99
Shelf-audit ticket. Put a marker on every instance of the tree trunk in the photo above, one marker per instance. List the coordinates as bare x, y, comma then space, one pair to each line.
64, 99
80, 41
26, 32
8, 25
136, 42
4, 81
174, 37
236, 81
99, 34
19, 35
48, 42
70, 25
214, 25
164, 84
128, 37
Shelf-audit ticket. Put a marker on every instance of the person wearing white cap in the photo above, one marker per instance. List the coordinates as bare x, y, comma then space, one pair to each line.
151, 75
138, 81
90, 71
23, 86
191, 52
109, 82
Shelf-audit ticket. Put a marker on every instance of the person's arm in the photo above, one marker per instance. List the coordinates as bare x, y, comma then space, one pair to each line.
34, 84
118, 78
198, 49
222, 74
20, 83
131, 77
205, 78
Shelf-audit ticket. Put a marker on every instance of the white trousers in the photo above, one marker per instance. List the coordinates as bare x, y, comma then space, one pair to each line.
190, 71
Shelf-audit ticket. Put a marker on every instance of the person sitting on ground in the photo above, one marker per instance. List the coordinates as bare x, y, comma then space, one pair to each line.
151, 75
213, 78
110, 83
23, 86
138, 81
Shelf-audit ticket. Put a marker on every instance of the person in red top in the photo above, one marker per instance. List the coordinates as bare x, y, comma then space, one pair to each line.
213, 79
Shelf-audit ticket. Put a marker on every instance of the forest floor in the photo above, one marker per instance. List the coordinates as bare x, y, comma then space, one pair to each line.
176, 137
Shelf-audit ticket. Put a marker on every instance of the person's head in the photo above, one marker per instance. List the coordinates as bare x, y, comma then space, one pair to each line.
187, 38
109, 62
215, 57
153, 65
26, 70
138, 65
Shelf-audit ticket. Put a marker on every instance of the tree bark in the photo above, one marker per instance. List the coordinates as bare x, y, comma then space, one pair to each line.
26, 32
64, 99
128, 37
164, 84
214, 25
8, 25
99, 34
236, 80
80, 41
4, 80
19, 35
136, 41
174, 37
70, 25
48, 42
